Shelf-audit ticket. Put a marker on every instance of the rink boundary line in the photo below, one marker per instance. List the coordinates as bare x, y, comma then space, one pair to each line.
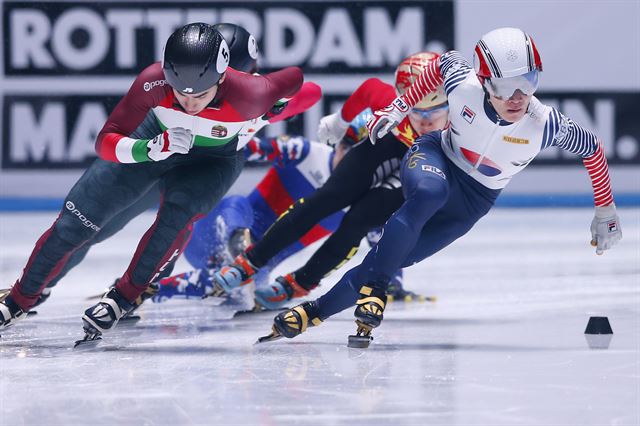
27, 204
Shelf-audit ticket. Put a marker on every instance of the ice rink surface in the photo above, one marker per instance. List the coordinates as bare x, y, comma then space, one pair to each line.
503, 345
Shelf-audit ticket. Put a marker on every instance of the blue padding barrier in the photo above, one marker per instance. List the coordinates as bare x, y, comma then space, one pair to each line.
506, 200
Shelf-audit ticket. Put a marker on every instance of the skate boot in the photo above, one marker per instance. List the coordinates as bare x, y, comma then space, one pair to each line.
232, 276
43, 298
275, 295
369, 314
104, 315
397, 292
293, 321
10, 312
130, 318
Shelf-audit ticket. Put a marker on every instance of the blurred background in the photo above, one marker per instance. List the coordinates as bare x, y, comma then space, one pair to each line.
66, 64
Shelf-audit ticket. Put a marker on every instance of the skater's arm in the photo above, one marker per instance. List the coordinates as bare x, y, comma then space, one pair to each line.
309, 94
113, 142
566, 134
281, 150
254, 95
372, 93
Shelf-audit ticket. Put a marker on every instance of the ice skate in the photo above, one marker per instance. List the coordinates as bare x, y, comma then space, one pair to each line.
293, 321
10, 312
232, 276
43, 298
397, 293
130, 318
103, 316
276, 294
369, 313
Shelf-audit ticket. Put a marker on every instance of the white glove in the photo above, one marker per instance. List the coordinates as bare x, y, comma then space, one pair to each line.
387, 118
332, 129
605, 228
169, 142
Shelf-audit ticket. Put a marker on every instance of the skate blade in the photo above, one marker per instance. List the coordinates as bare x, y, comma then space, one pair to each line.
359, 342
273, 336
89, 341
32, 313
217, 292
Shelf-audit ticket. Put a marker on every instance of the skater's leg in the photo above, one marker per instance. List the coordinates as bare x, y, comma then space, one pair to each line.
350, 180
371, 211
189, 193
114, 225
103, 190
426, 190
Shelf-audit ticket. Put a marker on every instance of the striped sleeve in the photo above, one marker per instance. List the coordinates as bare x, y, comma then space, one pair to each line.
450, 69
454, 68
562, 132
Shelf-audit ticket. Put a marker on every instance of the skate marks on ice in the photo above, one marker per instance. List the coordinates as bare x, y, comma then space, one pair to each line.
504, 344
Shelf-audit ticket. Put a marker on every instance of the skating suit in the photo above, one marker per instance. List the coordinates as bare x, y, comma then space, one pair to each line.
190, 184
451, 179
299, 168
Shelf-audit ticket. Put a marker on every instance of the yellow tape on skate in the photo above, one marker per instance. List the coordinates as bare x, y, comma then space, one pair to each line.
375, 300
303, 317
366, 290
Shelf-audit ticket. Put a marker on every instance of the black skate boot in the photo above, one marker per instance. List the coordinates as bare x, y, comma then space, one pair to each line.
397, 293
43, 298
10, 312
293, 321
369, 314
130, 318
104, 315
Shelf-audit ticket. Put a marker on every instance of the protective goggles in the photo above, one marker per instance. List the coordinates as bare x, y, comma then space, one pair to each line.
504, 88
431, 113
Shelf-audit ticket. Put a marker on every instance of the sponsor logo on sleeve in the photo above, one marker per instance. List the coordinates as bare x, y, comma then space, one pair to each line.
148, 85
468, 114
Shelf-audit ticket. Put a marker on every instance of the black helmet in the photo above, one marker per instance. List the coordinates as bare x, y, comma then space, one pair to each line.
195, 57
242, 46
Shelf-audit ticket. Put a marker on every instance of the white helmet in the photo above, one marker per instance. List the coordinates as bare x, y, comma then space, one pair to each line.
409, 70
507, 60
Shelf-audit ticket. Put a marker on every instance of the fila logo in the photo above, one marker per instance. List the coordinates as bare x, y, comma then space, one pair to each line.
434, 170
401, 105
468, 114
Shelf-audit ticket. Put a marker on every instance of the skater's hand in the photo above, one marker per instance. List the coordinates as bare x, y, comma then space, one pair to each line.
605, 228
387, 118
172, 141
332, 128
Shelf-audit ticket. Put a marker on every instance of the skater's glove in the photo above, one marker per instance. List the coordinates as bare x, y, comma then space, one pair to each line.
387, 118
332, 129
169, 142
605, 228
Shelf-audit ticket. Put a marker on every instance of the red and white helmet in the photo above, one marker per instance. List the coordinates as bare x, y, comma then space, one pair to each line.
409, 70
506, 60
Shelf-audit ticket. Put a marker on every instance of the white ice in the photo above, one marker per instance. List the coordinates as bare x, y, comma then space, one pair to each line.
503, 345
